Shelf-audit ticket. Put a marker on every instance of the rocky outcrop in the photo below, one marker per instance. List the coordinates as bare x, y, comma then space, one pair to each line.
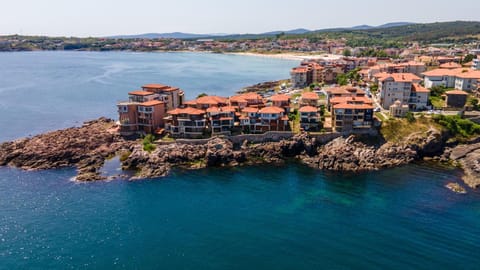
468, 156
341, 154
351, 154
87, 147
84, 147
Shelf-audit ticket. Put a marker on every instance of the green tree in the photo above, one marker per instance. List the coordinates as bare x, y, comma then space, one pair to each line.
468, 58
347, 52
202, 95
410, 117
342, 79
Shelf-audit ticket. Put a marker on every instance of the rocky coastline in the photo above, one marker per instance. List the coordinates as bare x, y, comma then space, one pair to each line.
87, 147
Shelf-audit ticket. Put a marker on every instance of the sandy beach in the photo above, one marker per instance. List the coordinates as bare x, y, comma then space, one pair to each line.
289, 56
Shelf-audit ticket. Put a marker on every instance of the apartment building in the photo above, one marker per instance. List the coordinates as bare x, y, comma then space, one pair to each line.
272, 118
458, 78
186, 122
309, 99
143, 112
282, 101
172, 96
310, 118
206, 102
247, 100
395, 86
220, 120
352, 116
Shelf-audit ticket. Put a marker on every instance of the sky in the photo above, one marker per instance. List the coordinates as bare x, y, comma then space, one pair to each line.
84, 18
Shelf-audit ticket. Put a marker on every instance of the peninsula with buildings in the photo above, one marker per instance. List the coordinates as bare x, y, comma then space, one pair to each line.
351, 111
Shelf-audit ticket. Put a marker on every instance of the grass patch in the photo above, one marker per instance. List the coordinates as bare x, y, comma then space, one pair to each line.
461, 128
380, 116
148, 143
396, 130
437, 102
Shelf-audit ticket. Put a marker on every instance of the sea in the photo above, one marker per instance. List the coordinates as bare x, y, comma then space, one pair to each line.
259, 217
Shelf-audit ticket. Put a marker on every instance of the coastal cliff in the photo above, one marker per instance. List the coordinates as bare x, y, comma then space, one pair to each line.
87, 147
341, 154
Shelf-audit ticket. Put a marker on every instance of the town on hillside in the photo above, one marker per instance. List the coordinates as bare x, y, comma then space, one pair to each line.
330, 93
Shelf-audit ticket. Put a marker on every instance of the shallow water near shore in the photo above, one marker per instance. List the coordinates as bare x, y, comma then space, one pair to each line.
261, 217
279, 217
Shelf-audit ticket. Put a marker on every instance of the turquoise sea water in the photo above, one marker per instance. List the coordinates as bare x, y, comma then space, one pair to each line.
285, 217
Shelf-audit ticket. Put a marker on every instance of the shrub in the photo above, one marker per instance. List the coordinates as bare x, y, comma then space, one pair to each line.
410, 117
148, 143
458, 126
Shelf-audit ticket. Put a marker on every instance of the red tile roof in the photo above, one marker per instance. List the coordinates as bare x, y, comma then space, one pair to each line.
418, 88
310, 95
250, 110
338, 100
140, 93
400, 77
272, 109
308, 109
155, 86
352, 106
211, 100
152, 103
280, 97
456, 92
188, 110
450, 65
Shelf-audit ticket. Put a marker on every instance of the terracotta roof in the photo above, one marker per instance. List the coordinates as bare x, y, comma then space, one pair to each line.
401, 77
190, 102
439, 72
456, 92
140, 93
152, 103
271, 109
228, 109
469, 74
450, 65
308, 109
280, 97
211, 100
245, 97
250, 110
418, 88
338, 100
299, 70
310, 95
188, 110
213, 109
155, 85
352, 106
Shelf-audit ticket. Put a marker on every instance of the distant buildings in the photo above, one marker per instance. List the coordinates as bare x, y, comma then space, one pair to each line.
458, 78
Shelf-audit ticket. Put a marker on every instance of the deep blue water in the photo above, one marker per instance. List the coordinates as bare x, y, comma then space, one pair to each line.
287, 217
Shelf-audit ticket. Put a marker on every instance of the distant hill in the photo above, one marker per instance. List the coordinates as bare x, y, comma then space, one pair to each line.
361, 35
177, 35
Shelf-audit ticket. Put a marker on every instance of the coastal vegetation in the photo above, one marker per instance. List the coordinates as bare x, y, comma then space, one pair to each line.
148, 143
458, 127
